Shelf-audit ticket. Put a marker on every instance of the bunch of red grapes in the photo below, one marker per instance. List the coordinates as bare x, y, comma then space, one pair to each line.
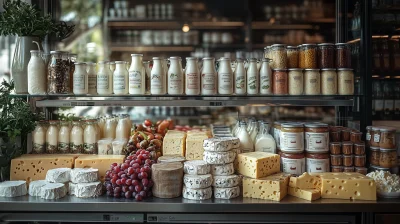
131, 179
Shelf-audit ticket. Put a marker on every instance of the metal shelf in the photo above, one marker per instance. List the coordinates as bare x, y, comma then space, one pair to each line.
265, 25
175, 24
152, 48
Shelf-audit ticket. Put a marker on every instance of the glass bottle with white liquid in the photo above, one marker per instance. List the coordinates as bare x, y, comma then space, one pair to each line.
246, 144
208, 77
240, 78
265, 77
157, 84
265, 143
89, 135
254, 130
192, 77
104, 79
252, 77
109, 128
80, 79
225, 77
36, 74
63, 137
175, 76
39, 138
137, 76
120, 78
52, 138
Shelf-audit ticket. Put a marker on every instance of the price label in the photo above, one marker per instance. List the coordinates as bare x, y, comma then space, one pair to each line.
216, 103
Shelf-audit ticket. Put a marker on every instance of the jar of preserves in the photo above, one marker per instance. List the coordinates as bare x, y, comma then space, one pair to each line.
292, 56
362, 170
359, 160
368, 135
388, 158
343, 55
348, 160
89, 138
335, 135
301, 56
279, 56
317, 138
328, 81
347, 148
335, 148
76, 137
336, 169
39, 138
355, 136
280, 82
376, 136
312, 82
359, 148
52, 137
276, 133
326, 55
374, 156
345, 81
336, 160
388, 138
296, 81
63, 137
292, 137
293, 163
346, 134
59, 77
317, 162
348, 169
310, 56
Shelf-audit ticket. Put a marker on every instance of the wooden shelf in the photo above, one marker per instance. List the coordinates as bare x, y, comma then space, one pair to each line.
152, 48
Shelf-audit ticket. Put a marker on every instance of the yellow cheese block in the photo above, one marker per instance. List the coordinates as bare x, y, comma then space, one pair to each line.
173, 132
258, 164
174, 144
35, 166
306, 194
100, 162
353, 186
273, 187
306, 181
194, 147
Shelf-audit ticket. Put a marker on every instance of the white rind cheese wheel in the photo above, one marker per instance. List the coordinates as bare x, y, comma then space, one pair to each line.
13, 188
227, 181
53, 191
84, 175
219, 157
71, 188
88, 190
35, 187
197, 194
235, 141
171, 159
226, 193
59, 175
222, 170
167, 179
197, 181
217, 145
196, 167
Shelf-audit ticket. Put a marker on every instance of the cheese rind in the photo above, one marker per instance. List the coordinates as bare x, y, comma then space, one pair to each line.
59, 175
226, 193
197, 194
220, 144
226, 181
174, 143
194, 147
100, 162
196, 167
197, 181
88, 190
84, 175
306, 194
223, 169
219, 157
306, 181
53, 191
258, 164
13, 188
35, 187
171, 159
273, 187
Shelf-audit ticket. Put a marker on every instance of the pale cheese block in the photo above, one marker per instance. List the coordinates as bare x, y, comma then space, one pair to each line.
32, 167
223, 169
100, 162
226, 193
174, 144
13, 188
171, 159
84, 175
58, 175
258, 164
197, 194
35, 187
167, 179
219, 157
273, 187
194, 147
306, 194
218, 144
226, 181
53, 191
197, 181
88, 190
306, 181
196, 167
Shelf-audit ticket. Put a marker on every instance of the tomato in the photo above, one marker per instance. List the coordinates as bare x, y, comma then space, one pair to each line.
147, 122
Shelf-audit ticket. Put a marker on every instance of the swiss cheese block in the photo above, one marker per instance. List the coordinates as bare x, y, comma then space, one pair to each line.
306, 181
258, 164
353, 186
35, 167
306, 194
100, 162
174, 143
273, 187
194, 147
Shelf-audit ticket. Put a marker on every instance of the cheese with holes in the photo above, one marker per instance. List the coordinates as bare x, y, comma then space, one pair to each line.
353, 186
306, 181
197, 181
226, 181
100, 162
174, 143
84, 175
197, 194
223, 169
226, 193
306, 194
196, 167
59, 175
219, 157
194, 147
258, 164
34, 167
13, 188
219, 144
273, 187
171, 159
36, 186
53, 191
87, 190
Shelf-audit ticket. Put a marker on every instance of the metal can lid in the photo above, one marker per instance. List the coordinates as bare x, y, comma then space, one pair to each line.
292, 125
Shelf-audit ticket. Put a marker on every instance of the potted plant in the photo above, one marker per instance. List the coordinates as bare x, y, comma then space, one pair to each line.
16, 121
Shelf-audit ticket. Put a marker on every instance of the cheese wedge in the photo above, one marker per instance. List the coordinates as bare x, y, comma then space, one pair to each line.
273, 187
258, 164
306, 194
306, 181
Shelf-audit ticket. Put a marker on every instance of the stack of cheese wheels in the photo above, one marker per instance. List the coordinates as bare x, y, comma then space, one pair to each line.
167, 178
85, 183
13, 188
220, 153
197, 180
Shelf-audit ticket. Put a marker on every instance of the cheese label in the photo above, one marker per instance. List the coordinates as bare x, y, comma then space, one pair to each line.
317, 165
293, 166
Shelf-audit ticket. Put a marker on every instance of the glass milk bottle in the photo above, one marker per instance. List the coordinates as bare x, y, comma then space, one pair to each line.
63, 137
92, 78
104, 79
122, 130
76, 137
175, 76
265, 77
225, 76
157, 84
265, 142
80, 79
254, 131
246, 144
36, 74
39, 138
109, 128
192, 76
137, 76
120, 78
208, 77
239, 77
252, 77
89, 134
52, 137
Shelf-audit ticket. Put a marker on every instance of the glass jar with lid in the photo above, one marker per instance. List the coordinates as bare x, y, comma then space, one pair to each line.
355, 136
39, 138
296, 81
387, 158
345, 81
292, 56
293, 163
292, 137
343, 55
317, 137
388, 138
310, 56
52, 137
328, 81
374, 155
335, 148
279, 57
312, 82
59, 76
76, 137
280, 82
326, 55
317, 162
63, 137
89, 138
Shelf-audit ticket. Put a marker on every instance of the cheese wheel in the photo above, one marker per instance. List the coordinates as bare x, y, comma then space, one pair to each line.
196, 167
197, 181
218, 145
219, 157
35, 187
171, 159
197, 194
167, 179
223, 169
13, 188
88, 190
58, 175
84, 175
227, 181
53, 191
226, 193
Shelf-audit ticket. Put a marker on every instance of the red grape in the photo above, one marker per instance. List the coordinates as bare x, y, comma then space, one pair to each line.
134, 176
114, 180
124, 166
130, 170
134, 194
135, 182
144, 174
129, 157
125, 188
145, 182
123, 180
146, 189
128, 194
137, 170
148, 161
140, 157
124, 176
139, 161
138, 197
138, 152
150, 183
117, 169
120, 173
118, 182
135, 165
143, 194
142, 169
131, 188
145, 156
117, 189
138, 188
128, 182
